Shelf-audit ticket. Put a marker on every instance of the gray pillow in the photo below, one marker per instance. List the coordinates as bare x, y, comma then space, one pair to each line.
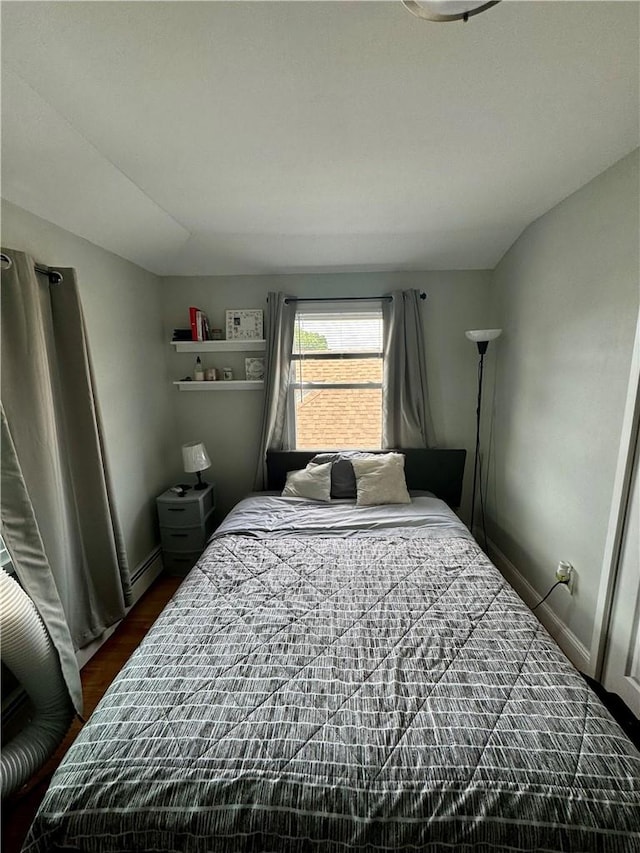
343, 478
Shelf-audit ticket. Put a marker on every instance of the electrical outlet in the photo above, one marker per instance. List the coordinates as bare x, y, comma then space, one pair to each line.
566, 574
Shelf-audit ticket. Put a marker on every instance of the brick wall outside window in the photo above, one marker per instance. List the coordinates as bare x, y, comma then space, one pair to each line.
339, 418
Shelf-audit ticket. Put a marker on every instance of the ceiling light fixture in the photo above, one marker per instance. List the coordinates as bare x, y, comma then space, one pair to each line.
446, 10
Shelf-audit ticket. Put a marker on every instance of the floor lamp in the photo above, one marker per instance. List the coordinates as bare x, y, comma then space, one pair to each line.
481, 338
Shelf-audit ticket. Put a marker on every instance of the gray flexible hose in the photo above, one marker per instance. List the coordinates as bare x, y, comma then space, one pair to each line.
31, 656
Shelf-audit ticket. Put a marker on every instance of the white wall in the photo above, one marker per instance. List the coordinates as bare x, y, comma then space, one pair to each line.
229, 422
122, 309
566, 295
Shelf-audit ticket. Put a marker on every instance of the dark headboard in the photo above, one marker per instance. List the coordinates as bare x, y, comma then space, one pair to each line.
438, 471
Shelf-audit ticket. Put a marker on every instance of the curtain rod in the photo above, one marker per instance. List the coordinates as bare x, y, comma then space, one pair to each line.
54, 276
344, 298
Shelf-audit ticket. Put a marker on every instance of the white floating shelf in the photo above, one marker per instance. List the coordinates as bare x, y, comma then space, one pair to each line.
222, 385
220, 346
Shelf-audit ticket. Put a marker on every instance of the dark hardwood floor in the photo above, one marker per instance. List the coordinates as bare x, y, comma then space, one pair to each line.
19, 810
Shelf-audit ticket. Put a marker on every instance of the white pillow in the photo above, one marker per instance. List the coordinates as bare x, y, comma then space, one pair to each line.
314, 482
380, 480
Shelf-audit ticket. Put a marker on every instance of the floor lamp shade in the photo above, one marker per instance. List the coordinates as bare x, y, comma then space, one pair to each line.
195, 459
483, 334
481, 337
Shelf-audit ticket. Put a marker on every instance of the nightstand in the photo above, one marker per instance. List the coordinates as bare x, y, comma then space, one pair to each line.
185, 526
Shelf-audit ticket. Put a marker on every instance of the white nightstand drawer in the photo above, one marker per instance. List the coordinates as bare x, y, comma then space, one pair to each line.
185, 538
188, 511
179, 564
176, 514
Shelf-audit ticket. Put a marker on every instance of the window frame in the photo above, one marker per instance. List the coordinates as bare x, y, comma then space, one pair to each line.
338, 309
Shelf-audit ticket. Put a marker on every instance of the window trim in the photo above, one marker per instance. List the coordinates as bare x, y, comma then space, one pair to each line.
337, 309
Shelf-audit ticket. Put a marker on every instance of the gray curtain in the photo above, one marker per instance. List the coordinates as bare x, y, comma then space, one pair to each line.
59, 464
405, 409
22, 538
280, 322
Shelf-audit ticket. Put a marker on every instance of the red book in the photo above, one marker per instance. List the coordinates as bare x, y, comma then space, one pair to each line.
193, 319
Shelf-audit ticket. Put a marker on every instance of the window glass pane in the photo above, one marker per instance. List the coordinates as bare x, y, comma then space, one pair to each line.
335, 418
338, 370
338, 419
338, 331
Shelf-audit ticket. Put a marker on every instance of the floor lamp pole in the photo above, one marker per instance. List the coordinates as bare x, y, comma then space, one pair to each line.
482, 348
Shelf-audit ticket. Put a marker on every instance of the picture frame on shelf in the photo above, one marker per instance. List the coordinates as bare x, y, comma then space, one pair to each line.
244, 324
254, 368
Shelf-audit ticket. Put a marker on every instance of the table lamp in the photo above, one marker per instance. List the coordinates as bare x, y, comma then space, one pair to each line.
195, 460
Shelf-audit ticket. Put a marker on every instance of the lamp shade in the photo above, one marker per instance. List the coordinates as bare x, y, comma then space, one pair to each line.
483, 335
195, 457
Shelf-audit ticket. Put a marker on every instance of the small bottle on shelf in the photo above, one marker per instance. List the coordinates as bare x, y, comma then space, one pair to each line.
198, 371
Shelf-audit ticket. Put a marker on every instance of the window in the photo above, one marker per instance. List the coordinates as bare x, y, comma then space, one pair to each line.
336, 388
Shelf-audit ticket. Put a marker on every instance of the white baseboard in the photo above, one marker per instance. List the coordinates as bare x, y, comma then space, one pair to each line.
145, 573
573, 648
142, 577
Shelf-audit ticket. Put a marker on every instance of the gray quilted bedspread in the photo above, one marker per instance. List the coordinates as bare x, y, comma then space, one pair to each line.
369, 694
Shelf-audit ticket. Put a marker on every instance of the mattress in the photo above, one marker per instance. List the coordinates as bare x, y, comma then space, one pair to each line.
334, 678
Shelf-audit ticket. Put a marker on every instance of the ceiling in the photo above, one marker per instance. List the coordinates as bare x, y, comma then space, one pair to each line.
211, 138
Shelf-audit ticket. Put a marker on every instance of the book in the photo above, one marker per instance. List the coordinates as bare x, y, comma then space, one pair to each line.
193, 319
206, 331
199, 325
182, 334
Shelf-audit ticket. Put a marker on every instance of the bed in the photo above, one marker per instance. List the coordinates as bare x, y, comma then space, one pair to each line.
332, 677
